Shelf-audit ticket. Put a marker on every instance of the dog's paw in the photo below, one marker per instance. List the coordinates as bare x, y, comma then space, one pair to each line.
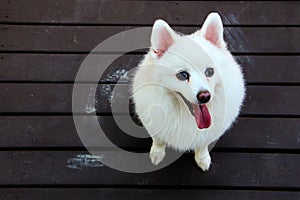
203, 163
157, 155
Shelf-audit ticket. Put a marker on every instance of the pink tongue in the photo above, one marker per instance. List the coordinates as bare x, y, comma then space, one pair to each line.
202, 116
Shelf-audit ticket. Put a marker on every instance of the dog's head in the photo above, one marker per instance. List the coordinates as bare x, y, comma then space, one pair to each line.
188, 64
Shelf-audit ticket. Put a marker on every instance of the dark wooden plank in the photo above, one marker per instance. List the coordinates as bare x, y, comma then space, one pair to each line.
228, 169
36, 97
57, 67
145, 12
85, 38
146, 194
270, 69
60, 132
57, 98
37, 67
273, 133
272, 100
38, 131
64, 67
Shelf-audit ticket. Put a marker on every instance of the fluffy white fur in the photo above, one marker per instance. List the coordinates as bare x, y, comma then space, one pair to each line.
163, 112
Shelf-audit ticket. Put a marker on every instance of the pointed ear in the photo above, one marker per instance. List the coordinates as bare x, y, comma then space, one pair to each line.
162, 37
212, 30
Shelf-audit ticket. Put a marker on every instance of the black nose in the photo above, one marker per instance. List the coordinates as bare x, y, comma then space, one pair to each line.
203, 96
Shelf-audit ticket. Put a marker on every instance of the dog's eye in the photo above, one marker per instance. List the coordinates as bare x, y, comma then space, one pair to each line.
209, 72
183, 75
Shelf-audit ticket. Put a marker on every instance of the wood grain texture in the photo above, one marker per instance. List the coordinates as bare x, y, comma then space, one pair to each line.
60, 132
146, 12
57, 98
146, 194
228, 169
85, 38
58, 67
64, 67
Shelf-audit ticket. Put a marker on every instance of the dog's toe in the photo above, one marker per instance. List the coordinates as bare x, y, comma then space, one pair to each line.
203, 163
157, 156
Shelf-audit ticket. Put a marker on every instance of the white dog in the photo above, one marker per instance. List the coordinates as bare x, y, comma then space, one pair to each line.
188, 90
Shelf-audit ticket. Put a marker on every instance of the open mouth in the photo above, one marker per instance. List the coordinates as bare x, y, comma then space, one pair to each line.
200, 113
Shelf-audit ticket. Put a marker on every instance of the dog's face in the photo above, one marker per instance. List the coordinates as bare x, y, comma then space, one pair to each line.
185, 64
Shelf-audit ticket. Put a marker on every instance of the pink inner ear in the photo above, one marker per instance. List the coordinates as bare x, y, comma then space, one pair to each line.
165, 41
212, 35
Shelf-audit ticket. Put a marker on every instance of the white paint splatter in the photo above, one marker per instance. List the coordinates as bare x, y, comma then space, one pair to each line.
84, 160
117, 75
106, 91
125, 76
90, 109
90, 106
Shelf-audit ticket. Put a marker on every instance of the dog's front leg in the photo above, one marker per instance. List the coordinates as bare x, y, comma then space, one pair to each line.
157, 152
202, 158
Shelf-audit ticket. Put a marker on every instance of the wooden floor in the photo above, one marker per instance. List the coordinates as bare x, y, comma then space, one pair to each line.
42, 44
